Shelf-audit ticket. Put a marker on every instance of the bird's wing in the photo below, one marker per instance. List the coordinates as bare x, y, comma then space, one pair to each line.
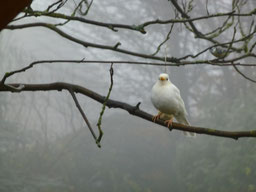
180, 103
181, 115
182, 119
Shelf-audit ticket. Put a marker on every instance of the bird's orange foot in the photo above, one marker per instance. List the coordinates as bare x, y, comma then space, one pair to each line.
169, 122
156, 117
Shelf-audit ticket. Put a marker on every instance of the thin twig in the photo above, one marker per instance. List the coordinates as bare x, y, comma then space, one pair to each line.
164, 41
206, 62
248, 78
52, 5
219, 30
71, 91
206, 7
116, 46
63, 2
184, 15
87, 9
111, 71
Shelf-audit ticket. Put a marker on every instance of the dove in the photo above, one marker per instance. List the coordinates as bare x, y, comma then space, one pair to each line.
166, 98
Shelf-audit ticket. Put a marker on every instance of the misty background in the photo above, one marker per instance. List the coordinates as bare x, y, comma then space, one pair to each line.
45, 145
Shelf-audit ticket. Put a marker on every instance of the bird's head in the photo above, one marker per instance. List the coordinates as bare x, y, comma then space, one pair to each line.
163, 78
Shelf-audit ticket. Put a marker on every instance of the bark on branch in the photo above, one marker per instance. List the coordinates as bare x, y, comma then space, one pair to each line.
133, 110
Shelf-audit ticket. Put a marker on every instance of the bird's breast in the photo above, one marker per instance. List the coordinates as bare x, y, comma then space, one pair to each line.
164, 99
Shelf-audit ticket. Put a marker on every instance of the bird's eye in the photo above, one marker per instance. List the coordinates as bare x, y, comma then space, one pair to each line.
166, 78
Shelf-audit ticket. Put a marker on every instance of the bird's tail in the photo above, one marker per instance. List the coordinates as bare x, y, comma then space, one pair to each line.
184, 121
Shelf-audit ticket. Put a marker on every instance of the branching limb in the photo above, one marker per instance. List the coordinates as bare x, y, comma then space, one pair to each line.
124, 51
162, 43
88, 6
111, 26
140, 27
193, 28
218, 31
206, 62
165, 40
224, 45
252, 47
111, 71
248, 78
184, 15
59, 4
53, 4
8, 74
88, 44
71, 91
134, 110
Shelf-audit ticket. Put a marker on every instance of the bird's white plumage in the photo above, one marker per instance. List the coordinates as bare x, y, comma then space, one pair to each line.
165, 96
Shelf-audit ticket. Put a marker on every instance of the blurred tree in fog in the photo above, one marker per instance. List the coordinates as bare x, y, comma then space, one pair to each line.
225, 24
137, 37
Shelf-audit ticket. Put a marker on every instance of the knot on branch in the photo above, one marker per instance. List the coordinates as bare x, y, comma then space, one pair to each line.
117, 45
112, 28
135, 108
139, 28
173, 59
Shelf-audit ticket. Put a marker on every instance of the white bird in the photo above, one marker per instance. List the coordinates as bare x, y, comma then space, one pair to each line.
165, 97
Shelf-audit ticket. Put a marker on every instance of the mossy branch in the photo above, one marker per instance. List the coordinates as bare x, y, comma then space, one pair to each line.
133, 110
111, 71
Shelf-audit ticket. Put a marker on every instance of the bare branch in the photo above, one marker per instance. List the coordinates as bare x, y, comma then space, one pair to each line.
206, 62
111, 71
248, 78
184, 15
53, 4
164, 41
111, 26
87, 9
224, 45
60, 4
206, 7
134, 110
115, 47
219, 30
139, 27
88, 44
71, 91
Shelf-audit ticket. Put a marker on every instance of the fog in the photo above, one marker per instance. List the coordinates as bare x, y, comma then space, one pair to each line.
46, 146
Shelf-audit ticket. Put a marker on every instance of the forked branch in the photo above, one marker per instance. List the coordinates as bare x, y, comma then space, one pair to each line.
134, 110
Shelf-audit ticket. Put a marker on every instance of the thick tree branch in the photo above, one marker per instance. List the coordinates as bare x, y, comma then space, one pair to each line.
140, 27
117, 49
88, 44
133, 110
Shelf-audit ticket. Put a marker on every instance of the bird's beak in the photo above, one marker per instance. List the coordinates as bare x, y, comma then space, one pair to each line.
162, 78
